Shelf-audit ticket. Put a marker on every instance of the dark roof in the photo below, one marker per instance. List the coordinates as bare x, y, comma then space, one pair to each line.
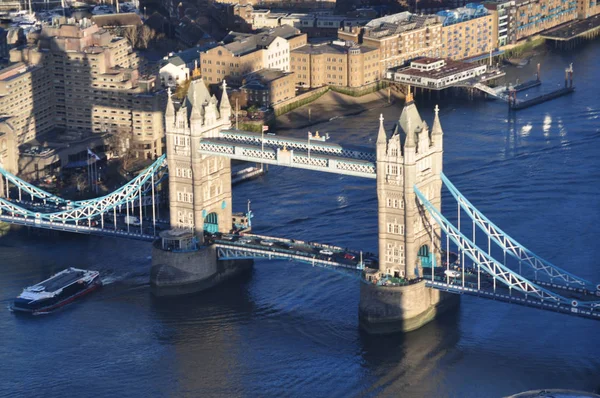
243, 43
266, 75
125, 19
330, 49
450, 68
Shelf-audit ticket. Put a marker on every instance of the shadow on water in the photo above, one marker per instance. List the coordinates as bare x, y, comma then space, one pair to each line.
401, 362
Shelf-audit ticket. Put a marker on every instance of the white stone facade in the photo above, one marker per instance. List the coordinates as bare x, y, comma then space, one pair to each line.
411, 156
277, 55
199, 185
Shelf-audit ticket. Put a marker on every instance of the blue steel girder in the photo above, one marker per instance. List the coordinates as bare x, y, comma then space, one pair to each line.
514, 248
489, 265
88, 209
30, 189
80, 229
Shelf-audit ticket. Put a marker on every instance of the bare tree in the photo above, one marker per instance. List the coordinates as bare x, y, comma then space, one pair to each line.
121, 147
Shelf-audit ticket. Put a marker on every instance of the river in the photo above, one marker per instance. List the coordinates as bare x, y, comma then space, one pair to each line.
288, 329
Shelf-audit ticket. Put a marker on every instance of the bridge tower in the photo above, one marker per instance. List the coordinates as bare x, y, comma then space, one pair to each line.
412, 156
199, 185
408, 240
199, 197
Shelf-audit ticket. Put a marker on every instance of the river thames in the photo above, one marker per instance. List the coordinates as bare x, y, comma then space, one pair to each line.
289, 329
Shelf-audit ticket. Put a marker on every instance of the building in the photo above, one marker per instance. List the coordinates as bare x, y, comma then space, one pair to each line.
8, 148
177, 67
435, 73
398, 38
246, 53
503, 12
336, 64
587, 8
535, 16
3, 44
92, 83
410, 157
27, 101
268, 87
431, 6
467, 32
199, 185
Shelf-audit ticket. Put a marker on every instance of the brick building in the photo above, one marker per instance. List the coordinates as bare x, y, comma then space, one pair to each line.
336, 64
468, 32
89, 84
398, 38
268, 87
247, 53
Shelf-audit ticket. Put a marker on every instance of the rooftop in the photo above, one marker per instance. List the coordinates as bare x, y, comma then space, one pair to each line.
331, 48
243, 43
450, 68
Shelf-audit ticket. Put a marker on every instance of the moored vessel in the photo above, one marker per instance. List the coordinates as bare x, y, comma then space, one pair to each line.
56, 291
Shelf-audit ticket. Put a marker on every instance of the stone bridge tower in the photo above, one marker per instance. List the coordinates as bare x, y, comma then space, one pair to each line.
411, 156
199, 185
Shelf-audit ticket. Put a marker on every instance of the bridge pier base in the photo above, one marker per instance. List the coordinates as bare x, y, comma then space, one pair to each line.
392, 309
189, 272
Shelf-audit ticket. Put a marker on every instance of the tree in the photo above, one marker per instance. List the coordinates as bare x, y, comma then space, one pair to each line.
121, 147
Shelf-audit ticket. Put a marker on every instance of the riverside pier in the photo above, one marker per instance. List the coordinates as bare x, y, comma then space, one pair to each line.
515, 104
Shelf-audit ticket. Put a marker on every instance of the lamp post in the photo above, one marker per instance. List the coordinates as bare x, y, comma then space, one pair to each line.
309, 137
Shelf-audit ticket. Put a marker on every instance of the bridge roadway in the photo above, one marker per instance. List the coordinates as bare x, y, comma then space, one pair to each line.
247, 246
484, 288
108, 230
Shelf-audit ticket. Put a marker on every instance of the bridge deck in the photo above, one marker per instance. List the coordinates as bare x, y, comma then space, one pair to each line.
501, 293
233, 247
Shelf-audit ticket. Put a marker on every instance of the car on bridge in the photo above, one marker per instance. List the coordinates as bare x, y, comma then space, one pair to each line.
326, 252
349, 256
266, 242
452, 273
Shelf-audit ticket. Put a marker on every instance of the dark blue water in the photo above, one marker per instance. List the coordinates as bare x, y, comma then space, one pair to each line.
291, 330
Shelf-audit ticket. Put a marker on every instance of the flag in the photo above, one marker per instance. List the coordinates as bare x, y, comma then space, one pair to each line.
90, 153
265, 128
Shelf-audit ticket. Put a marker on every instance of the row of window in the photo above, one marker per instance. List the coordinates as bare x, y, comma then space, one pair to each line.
186, 197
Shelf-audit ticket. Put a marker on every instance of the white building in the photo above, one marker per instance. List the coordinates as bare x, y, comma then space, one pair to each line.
277, 55
435, 73
177, 68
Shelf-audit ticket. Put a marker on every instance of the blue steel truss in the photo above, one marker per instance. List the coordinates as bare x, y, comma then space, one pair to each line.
88, 209
514, 248
492, 267
230, 251
32, 190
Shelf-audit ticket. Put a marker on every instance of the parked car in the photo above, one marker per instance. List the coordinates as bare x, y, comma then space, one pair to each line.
326, 252
349, 256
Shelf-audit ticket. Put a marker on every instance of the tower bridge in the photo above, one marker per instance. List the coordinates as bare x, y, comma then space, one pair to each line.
410, 281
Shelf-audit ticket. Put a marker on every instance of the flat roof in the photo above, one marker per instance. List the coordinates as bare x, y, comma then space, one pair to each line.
451, 68
330, 49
